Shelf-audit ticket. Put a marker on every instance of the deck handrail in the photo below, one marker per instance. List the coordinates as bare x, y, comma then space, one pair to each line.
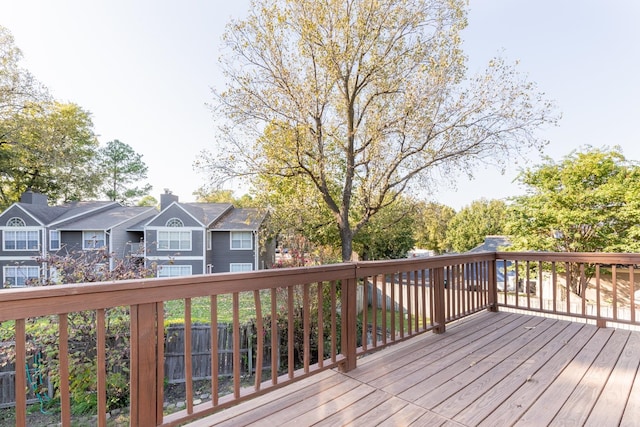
360, 307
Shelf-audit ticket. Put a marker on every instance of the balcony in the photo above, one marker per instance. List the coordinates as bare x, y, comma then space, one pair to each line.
527, 338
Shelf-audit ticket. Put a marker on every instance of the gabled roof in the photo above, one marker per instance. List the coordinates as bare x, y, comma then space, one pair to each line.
107, 219
41, 213
245, 219
206, 213
48, 215
75, 210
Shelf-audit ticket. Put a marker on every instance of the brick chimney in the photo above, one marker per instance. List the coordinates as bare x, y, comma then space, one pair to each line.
167, 198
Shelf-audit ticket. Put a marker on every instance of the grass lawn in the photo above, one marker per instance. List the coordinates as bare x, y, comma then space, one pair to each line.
201, 308
388, 319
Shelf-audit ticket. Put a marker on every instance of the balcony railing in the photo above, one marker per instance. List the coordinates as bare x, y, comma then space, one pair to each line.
305, 319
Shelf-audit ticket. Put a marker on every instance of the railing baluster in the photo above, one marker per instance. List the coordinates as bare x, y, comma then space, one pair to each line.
416, 297
554, 286
407, 284
21, 373
160, 361
568, 290
275, 348
423, 288
539, 286
63, 359
101, 367
236, 344
393, 307
365, 319
188, 359
598, 290
632, 293
401, 304
517, 287
374, 311
383, 321
583, 280
320, 324
260, 339
215, 361
306, 329
334, 350
290, 335
614, 284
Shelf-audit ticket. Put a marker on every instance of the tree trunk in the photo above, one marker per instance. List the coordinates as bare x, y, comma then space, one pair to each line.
346, 239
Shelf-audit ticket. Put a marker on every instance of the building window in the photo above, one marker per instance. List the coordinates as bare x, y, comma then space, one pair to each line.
93, 239
54, 240
174, 270
209, 238
16, 222
20, 240
237, 267
175, 222
19, 276
241, 240
174, 240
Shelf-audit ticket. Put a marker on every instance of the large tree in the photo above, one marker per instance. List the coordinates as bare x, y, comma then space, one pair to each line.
587, 202
362, 99
468, 228
17, 86
123, 168
53, 152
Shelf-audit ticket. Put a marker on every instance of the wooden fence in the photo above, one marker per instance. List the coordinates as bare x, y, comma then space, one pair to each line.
174, 366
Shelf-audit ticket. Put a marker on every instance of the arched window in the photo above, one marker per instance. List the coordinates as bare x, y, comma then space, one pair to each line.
21, 238
175, 222
16, 222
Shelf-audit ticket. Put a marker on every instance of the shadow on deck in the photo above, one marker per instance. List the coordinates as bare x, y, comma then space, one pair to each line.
490, 369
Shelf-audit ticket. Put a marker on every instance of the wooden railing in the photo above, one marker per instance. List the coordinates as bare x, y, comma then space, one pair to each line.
328, 315
594, 287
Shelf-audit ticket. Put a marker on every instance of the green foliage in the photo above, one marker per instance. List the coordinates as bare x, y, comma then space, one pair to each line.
430, 230
148, 201
587, 202
468, 228
123, 168
42, 333
52, 152
225, 196
353, 103
388, 235
17, 86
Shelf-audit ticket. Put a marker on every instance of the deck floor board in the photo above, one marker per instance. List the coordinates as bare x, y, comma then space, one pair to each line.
490, 369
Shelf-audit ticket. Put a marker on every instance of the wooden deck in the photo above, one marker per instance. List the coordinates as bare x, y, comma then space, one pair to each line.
492, 369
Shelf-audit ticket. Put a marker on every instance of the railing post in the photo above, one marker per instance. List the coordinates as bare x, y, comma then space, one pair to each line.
349, 321
144, 365
439, 306
493, 285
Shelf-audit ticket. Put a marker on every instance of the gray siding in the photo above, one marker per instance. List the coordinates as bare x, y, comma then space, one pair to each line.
5, 263
222, 255
15, 211
196, 265
70, 241
174, 212
152, 247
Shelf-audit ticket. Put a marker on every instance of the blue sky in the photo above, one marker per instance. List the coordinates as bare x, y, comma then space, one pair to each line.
144, 70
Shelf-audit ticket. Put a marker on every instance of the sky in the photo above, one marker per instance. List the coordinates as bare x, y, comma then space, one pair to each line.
145, 69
